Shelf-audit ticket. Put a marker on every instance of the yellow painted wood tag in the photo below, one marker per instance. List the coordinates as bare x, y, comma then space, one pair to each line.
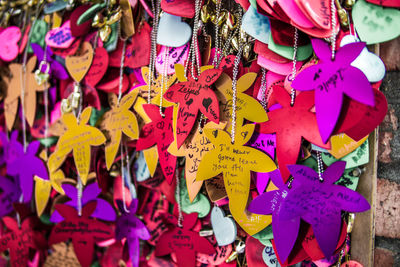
119, 120
342, 145
236, 161
79, 138
246, 106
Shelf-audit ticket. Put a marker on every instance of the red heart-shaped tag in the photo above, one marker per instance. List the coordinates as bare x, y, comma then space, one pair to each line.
110, 82
84, 28
98, 67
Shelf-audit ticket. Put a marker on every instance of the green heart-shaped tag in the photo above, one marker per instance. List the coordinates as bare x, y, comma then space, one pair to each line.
265, 236
38, 33
375, 24
200, 204
358, 157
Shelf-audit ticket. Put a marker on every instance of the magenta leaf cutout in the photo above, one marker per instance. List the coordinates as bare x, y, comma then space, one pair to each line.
330, 79
130, 227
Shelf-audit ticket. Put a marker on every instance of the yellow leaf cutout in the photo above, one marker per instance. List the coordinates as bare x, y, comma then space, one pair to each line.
246, 106
235, 162
119, 120
156, 87
342, 144
79, 138
193, 150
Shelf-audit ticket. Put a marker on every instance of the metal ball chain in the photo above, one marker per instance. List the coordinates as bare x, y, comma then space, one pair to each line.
153, 51
293, 91
320, 166
263, 88
333, 37
234, 90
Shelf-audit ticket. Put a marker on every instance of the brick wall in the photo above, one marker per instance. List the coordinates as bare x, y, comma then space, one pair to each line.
387, 224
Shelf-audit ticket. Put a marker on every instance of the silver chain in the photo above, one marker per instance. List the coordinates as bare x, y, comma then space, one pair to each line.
194, 51
234, 91
121, 72
123, 178
263, 88
217, 37
164, 80
333, 37
178, 198
320, 166
293, 91
79, 188
153, 51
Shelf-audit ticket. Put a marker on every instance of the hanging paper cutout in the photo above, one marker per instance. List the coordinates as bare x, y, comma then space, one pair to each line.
291, 124
9, 38
20, 239
156, 86
33, 166
330, 79
83, 231
60, 37
130, 227
117, 121
79, 138
104, 210
62, 255
78, 65
236, 161
159, 132
10, 193
193, 150
14, 87
98, 67
184, 242
194, 96
246, 106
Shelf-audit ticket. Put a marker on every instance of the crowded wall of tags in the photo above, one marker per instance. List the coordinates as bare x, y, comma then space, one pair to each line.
187, 133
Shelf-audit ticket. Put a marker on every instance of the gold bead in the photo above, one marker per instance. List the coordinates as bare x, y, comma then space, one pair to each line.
349, 3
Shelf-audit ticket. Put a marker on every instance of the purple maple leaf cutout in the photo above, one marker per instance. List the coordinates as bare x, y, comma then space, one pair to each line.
130, 227
56, 68
12, 149
285, 231
26, 167
103, 211
320, 204
10, 193
331, 79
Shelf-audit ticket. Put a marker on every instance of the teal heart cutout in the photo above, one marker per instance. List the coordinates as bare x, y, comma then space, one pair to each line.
265, 236
200, 204
303, 52
375, 24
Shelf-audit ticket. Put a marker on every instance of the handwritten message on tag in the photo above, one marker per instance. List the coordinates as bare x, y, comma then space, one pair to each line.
79, 138
78, 65
62, 255
246, 106
117, 121
176, 55
60, 37
236, 161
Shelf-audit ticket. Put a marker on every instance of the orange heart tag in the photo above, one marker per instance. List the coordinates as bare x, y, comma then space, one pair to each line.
79, 64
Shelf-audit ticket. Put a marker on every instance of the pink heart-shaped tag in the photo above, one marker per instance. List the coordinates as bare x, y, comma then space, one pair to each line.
9, 43
60, 37
282, 69
176, 55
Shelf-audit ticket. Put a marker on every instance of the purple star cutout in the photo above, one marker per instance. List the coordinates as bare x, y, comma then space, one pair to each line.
12, 149
26, 167
130, 227
331, 79
56, 68
103, 211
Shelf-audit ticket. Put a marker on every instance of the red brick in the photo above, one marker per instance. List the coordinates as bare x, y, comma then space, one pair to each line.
387, 209
383, 257
389, 53
384, 149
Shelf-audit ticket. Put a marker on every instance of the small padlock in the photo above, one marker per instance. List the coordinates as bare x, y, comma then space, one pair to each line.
42, 77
